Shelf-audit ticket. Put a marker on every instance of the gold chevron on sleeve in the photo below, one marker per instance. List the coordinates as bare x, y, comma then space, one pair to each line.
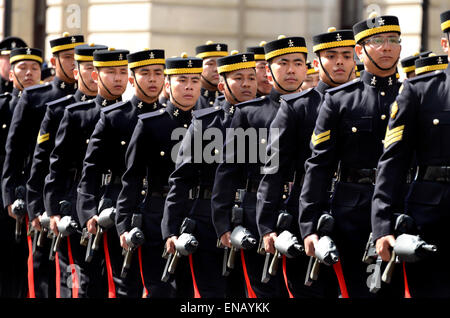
317, 139
393, 135
42, 138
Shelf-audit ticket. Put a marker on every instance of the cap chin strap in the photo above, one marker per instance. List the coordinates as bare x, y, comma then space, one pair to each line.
17, 79
278, 84
229, 89
140, 88
374, 63
328, 75
82, 80
171, 95
105, 87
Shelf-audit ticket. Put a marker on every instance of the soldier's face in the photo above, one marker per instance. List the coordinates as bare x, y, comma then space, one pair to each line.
115, 80
210, 70
339, 64
84, 71
67, 63
28, 73
264, 86
289, 71
385, 55
242, 84
311, 81
4, 66
150, 79
185, 89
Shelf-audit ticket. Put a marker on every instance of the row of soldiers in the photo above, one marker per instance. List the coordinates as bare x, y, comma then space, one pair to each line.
111, 199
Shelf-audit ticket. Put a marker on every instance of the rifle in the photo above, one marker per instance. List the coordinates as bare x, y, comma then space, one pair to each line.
134, 239
185, 245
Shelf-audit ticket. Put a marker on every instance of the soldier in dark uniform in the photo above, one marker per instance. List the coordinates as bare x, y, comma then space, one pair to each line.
408, 63
41, 170
312, 77
286, 70
21, 142
238, 83
295, 120
104, 162
154, 165
264, 86
47, 74
417, 126
210, 52
24, 72
348, 137
430, 63
6, 45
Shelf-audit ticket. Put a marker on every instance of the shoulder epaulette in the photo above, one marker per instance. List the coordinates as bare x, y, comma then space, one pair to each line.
290, 97
345, 85
153, 114
66, 100
38, 87
205, 111
115, 106
255, 101
75, 106
6, 95
425, 76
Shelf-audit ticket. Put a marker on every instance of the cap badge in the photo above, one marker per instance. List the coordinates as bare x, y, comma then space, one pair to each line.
120, 57
381, 21
218, 47
73, 39
244, 58
28, 51
189, 63
338, 37
13, 44
152, 55
290, 43
439, 60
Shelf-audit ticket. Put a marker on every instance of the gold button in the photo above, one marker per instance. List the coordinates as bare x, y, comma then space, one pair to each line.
263, 141
162, 153
354, 129
217, 107
4, 126
143, 192
87, 141
216, 151
383, 117
185, 125
123, 143
284, 196
435, 121
211, 103
161, 110
383, 93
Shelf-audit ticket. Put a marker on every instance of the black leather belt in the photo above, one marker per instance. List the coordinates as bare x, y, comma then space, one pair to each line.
360, 176
433, 173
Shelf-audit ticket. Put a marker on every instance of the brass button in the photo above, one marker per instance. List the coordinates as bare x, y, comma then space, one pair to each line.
87, 141
4, 126
162, 153
435, 121
263, 141
354, 129
383, 117
123, 143
216, 151
143, 192
185, 125
217, 107
383, 93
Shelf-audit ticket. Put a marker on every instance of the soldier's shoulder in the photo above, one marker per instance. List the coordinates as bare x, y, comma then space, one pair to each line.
63, 101
253, 102
295, 96
81, 105
205, 112
6, 96
152, 115
345, 87
426, 77
119, 105
38, 88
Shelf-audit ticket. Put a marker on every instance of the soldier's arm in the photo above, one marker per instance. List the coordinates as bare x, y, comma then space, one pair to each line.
61, 167
181, 180
395, 161
319, 168
40, 166
91, 177
16, 149
281, 147
129, 197
230, 176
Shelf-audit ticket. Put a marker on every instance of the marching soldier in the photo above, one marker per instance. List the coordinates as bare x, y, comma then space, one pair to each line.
21, 142
264, 87
238, 84
210, 52
430, 63
6, 46
45, 172
312, 77
296, 119
47, 74
348, 137
104, 162
24, 72
286, 71
155, 165
417, 125
408, 63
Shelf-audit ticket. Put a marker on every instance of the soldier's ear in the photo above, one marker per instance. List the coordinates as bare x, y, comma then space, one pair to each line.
131, 80
53, 61
269, 74
94, 76
221, 86
359, 52
444, 44
75, 73
315, 63
11, 74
